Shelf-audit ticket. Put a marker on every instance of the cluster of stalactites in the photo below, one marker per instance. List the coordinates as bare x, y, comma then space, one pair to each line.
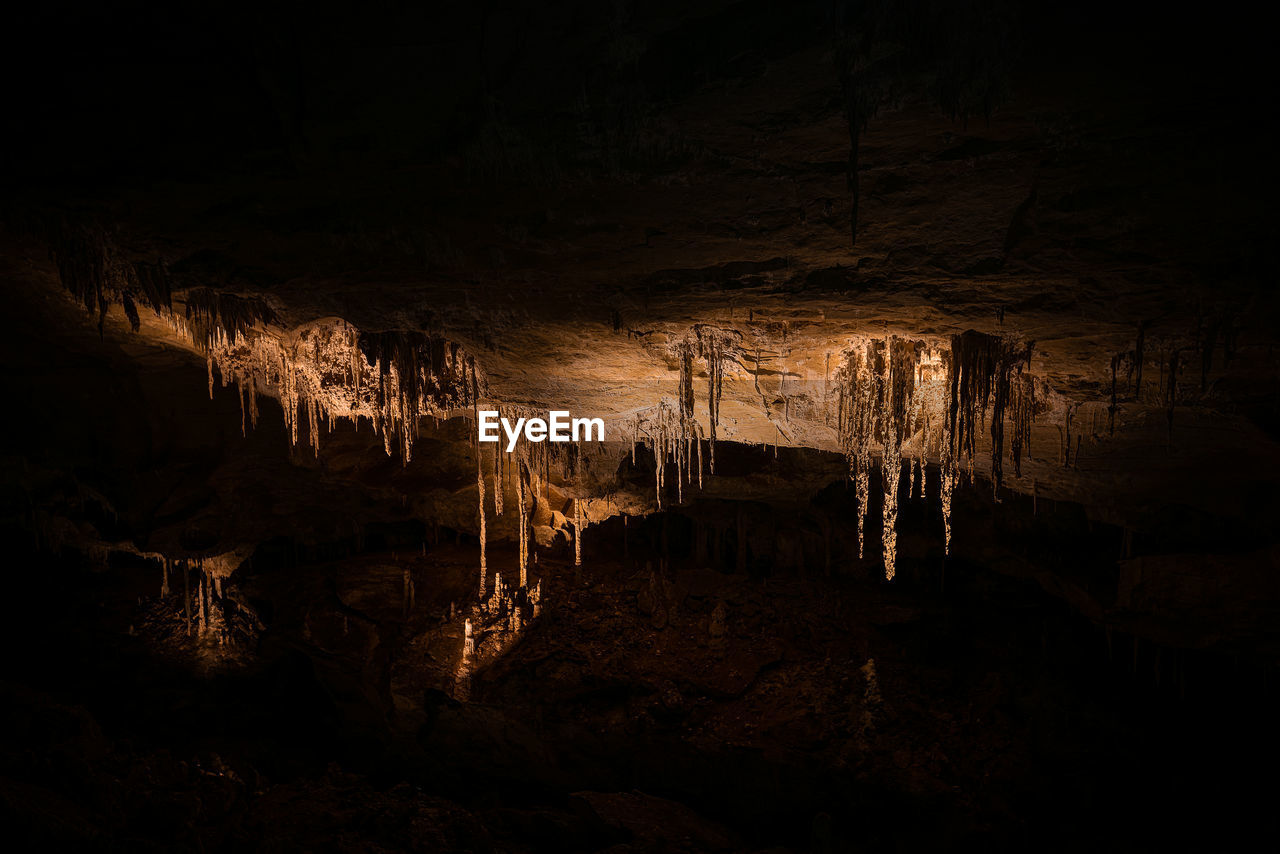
98, 275
674, 438
329, 371
715, 346
419, 374
907, 399
506, 608
528, 471
218, 320
991, 372
878, 407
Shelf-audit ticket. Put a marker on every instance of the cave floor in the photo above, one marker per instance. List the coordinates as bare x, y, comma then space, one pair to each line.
829, 713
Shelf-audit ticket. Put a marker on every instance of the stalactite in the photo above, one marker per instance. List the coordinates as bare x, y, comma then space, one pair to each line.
577, 531
659, 468
1022, 413
680, 470
484, 569
891, 465
670, 435
947, 474
685, 354
860, 473
714, 345
891, 469
497, 479
1068, 413
525, 491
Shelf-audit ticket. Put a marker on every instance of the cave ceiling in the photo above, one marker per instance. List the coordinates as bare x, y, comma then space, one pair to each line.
556, 258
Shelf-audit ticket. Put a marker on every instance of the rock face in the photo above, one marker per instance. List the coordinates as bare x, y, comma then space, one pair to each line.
956, 520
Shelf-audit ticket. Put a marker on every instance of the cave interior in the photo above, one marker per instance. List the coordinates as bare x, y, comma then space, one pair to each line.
936, 368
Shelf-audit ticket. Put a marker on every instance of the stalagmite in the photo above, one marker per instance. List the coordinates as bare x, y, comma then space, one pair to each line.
498, 598
468, 642
201, 615
699, 444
